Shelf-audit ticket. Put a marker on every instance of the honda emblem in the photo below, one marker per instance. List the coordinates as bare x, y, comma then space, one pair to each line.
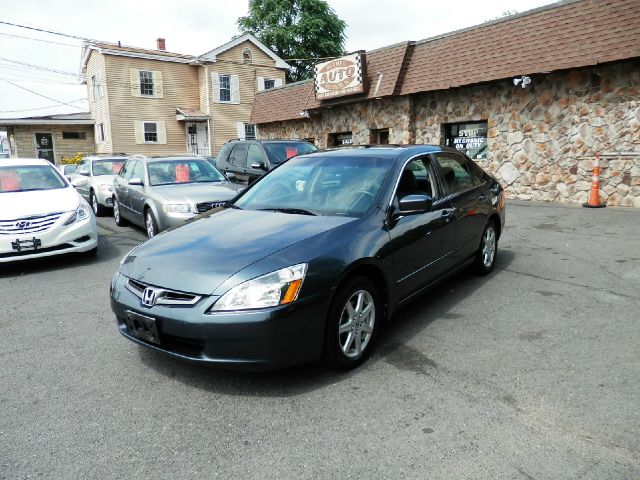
149, 297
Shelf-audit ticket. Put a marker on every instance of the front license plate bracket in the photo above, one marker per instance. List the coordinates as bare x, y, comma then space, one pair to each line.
29, 244
142, 327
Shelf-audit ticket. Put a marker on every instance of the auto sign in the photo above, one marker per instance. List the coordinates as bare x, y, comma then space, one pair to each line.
341, 76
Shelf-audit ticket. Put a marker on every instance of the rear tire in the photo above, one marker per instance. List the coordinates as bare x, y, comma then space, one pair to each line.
117, 216
95, 205
486, 256
352, 324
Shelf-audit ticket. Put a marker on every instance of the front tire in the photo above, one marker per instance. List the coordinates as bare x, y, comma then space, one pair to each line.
352, 324
95, 205
486, 256
117, 216
150, 223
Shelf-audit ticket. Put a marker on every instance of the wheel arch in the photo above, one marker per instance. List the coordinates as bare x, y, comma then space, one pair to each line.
496, 220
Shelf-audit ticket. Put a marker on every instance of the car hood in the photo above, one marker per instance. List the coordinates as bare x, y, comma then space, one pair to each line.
37, 202
199, 256
197, 192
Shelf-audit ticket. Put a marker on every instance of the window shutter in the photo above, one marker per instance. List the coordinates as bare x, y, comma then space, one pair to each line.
139, 131
240, 129
162, 132
278, 82
235, 89
215, 86
260, 84
96, 132
135, 82
157, 85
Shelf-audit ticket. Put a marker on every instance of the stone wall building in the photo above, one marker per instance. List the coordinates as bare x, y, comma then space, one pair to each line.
532, 98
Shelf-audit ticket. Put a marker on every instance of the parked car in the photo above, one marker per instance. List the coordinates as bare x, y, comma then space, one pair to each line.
310, 259
250, 159
164, 192
93, 178
41, 214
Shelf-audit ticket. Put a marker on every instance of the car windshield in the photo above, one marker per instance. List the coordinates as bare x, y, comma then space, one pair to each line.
278, 152
67, 169
29, 177
167, 172
319, 185
108, 166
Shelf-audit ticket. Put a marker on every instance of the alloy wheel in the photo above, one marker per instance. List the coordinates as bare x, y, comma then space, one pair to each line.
116, 211
94, 204
488, 246
357, 320
151, 230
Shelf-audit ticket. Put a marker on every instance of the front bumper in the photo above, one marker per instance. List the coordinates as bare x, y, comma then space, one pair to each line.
264, 339
104, 198
59, 239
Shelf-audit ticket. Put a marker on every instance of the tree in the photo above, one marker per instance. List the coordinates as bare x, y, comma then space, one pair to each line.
296, 29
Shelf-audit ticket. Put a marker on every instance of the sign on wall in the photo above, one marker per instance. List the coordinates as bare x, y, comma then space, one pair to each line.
341, 76
469, 138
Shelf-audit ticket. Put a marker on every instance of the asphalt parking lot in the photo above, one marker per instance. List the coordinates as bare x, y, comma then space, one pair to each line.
530, 373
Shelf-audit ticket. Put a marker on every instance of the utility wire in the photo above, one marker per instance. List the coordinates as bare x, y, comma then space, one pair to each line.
38, 40
39, 94
38, 67
45, 31
40, 108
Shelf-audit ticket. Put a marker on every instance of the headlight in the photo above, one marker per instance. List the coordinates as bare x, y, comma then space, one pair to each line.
276, 288
176, 208
82, 213
105, 187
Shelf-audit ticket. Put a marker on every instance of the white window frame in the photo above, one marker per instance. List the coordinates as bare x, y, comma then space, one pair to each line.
144, 132
96, 83
247, 131
102, 136
149, 78
220, 89
273, 82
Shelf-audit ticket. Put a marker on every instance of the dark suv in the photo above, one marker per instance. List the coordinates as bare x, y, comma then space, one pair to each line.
249, 159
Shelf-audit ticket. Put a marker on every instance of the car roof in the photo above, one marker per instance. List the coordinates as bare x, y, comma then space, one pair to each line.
23, 162
381, 151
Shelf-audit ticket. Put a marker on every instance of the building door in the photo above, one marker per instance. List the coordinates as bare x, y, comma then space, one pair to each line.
44, 146
197, 138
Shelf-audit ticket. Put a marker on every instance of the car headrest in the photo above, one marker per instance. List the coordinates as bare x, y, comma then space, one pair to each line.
408, 182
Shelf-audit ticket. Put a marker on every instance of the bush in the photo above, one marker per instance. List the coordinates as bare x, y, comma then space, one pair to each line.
72, 160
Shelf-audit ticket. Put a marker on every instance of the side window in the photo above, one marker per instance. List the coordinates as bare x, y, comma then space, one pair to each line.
417, 178
138, 171
254, 155
458, 175
238, 156
83, 168
127, 170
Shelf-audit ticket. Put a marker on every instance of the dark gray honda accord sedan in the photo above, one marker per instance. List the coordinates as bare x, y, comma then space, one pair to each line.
307, 262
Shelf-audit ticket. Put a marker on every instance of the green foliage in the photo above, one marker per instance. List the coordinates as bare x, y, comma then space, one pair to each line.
72, 160
296, 29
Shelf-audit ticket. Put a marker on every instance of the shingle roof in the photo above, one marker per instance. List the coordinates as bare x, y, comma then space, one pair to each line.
122, 49
564, 35
284, 103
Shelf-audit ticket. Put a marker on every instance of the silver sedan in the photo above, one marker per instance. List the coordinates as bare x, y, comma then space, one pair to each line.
160, 193
93, 179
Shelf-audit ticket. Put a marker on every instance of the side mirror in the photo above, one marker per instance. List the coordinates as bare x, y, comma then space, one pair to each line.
417, 203
136, 182
259, 166
231, 176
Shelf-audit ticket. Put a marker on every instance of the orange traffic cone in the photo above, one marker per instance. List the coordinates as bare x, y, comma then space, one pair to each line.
594, 194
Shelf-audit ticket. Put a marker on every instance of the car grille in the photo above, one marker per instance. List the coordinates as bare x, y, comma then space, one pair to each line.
204, 206
163, 296
28, 225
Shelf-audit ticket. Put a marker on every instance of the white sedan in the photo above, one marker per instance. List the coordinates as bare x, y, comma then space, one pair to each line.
41, 214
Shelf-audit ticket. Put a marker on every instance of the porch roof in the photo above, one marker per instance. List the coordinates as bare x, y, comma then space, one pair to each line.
190, 115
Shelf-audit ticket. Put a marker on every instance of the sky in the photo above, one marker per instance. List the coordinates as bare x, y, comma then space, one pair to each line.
190, 27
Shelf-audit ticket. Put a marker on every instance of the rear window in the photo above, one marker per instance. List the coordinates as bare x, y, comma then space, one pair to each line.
279, 152
109, 166
28, 178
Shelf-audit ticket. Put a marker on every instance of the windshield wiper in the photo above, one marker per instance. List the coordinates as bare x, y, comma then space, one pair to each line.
295, 211
233, 205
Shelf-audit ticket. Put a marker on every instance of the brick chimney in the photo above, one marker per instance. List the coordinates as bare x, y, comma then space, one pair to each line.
160, 43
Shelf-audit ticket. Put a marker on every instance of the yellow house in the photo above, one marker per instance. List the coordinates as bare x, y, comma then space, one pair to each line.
154, 102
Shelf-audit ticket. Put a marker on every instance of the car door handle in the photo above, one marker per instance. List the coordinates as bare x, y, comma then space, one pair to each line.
448, 214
